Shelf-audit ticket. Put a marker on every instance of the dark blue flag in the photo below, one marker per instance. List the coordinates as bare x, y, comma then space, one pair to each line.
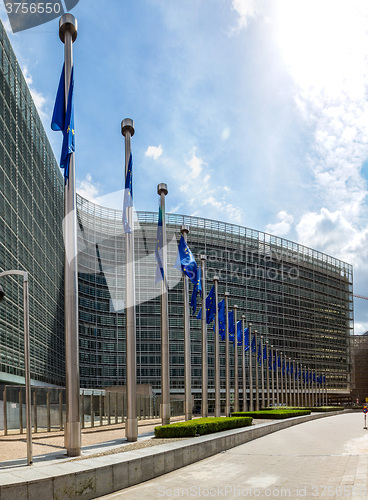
186, 262
239, 331
128, 194
64, 121
197, 289
279, 362
231, 326
246, 339
283, 367
210, 307
158, 250
253, 346
259, 353
221, 319
265, 352
287, 368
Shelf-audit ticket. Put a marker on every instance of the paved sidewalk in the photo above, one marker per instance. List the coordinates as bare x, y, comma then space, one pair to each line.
326, 458
13, 447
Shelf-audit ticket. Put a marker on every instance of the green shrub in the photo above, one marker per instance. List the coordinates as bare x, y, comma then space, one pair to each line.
200, 426
272, 414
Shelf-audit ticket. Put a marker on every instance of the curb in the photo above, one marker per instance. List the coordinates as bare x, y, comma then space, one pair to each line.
94, 477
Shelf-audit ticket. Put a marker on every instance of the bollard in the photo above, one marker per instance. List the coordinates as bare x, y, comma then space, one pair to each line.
35, 410
48, 411
20, 412
5, 408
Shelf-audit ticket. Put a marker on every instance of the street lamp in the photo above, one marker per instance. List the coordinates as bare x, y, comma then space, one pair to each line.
26, 355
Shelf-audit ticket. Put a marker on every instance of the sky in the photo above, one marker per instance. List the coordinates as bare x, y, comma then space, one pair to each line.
254, 112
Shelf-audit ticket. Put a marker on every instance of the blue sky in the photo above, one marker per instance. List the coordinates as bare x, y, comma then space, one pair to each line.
253, 112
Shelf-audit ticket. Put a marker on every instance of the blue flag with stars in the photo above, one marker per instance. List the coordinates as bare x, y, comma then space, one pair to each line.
64, 121
128, 194
210, 307
239, 332
254, 347
186, 262
221, 319
197, 289
246, 339
231, 326
158, 250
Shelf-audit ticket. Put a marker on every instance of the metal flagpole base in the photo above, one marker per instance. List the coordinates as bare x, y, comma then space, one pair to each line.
131, 429
73, 438
165, 413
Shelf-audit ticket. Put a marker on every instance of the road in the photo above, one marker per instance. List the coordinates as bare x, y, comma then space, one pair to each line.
325, 458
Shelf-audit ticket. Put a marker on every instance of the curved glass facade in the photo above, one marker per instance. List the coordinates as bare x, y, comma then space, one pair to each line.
298, 298
31, 214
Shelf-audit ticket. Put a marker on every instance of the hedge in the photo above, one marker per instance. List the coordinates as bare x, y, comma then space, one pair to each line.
271, 414
201, 426
311, 408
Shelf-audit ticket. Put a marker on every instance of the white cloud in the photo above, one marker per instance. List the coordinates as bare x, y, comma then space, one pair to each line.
39, 100
225, 134
246, 9
234, 213
282, 227
154, 152
88, 190
195, 165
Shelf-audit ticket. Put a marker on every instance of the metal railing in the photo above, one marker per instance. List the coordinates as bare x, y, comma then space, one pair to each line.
97, 408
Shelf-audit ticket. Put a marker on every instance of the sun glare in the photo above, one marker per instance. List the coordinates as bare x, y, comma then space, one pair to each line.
324, 44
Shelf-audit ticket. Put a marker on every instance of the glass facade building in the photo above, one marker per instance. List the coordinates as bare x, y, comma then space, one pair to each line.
298, 298
31, 214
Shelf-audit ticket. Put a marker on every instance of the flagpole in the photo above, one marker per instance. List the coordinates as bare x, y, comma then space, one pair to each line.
131, 424
302, 386
268, 375
294, 384
257, 374
204, 341
251, 407
272, 379
227, 357
236, 370
286, 383
187, 351
243, 365
277, 379
290, 395
262, 374
298, 383
281, 381
165, 351
217, 354
72, 436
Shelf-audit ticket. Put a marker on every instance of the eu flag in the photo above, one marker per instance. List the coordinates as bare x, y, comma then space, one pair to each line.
221, 319
259, 352
128, 194
265, 352
186, 262
197, 288
210, 307
64, 121
246, 339
231, 326
158, 250
239, 332
254, 347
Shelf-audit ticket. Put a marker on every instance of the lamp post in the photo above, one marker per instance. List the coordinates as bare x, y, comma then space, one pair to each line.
26, 355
